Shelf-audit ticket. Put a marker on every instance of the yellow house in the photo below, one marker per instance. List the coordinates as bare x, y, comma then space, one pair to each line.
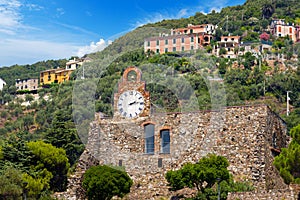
55, 76
61, 74
47, 76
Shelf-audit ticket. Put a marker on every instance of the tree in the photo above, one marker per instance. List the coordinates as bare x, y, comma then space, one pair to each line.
38, 183
249, 60
208, 170
264, 36
63, 134
267, 10
288, 162
103, 182
11, 184
29, 97
222, 51
52, 159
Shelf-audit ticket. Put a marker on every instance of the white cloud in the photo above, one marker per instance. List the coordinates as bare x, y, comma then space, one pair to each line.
93, 47
182, 13
156, 17
17, 51
60, 12
10, 15
34, 7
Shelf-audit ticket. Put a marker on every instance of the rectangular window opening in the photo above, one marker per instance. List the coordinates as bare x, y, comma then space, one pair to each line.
165, 141
149, 138
160, 163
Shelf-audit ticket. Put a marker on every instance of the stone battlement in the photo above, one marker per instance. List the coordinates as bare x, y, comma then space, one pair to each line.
248, 136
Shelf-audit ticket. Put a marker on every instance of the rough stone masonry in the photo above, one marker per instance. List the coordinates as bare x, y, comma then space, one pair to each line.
248, 136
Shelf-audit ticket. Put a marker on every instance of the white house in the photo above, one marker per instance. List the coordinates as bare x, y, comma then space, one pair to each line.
2, 83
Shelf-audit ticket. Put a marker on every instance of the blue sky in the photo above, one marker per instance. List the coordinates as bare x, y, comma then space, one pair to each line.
37, 30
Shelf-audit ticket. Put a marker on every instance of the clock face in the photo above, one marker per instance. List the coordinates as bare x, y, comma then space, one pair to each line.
131, 103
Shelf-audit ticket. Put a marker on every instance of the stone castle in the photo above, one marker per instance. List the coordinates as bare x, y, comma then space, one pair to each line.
150, 145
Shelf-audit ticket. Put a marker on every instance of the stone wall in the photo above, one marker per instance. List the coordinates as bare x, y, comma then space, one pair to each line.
248, 136
286, 194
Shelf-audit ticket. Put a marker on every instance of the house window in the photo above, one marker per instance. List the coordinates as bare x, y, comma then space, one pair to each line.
174, 49
192, 39
148, 43
165, 141
279, 28
166, 50
166, 41
157, 42
182, 40
157, 50
192, 47
182, 48
191, 30
149, 138
174, 41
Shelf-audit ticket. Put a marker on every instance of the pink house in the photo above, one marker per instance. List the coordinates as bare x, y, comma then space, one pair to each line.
182, 39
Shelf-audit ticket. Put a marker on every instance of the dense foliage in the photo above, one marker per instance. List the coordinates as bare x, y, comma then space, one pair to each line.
104, 182
10, 74
288, 162
204, 176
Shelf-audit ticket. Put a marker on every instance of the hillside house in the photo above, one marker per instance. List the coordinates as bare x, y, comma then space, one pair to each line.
29, 84
190, 29
229, 43
182, 39
74, 63
2, 83
280, 28
61, 75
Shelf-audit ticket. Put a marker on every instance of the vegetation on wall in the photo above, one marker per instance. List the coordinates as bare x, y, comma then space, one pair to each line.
205, 175
288, 161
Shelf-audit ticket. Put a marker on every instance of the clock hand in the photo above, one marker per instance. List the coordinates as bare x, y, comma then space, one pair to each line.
131, 103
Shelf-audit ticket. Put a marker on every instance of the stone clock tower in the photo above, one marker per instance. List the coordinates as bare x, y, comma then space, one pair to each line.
132, 100
148, 145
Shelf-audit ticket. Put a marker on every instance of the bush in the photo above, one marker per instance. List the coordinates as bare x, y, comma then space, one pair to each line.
104, 182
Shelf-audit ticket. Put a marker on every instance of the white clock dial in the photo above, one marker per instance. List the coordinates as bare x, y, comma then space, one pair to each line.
131, 103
